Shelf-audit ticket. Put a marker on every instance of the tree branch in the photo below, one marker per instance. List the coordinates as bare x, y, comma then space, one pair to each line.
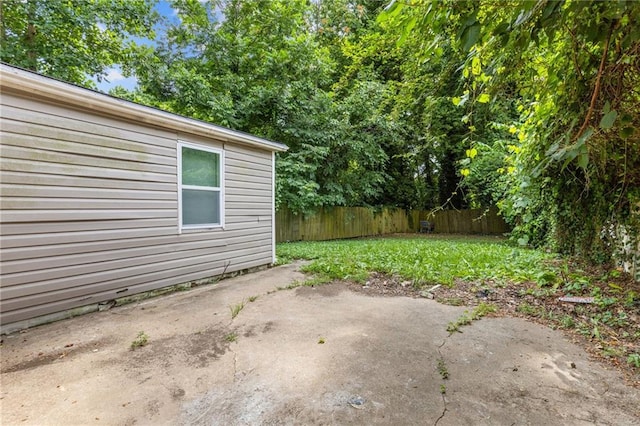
596, 90
574, 53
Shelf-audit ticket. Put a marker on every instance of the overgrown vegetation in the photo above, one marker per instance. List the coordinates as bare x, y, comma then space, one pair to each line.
601, 312
563, 78
423, 261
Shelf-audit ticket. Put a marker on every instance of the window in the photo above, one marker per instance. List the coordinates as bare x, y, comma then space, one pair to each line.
200, 186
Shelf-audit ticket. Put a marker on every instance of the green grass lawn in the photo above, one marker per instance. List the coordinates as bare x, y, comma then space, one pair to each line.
423, 260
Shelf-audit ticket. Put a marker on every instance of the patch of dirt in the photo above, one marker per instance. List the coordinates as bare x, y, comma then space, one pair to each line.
251, 330
324, 290
608, 328
43, 358
196, 349
385, 285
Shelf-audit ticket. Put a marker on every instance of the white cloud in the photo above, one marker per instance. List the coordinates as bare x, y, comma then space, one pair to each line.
114, 78
114, 74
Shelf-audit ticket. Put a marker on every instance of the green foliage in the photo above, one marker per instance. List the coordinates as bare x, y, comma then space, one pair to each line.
467, 318
531, 310
570, 69
267, 69
141, 340
530, 105
634, 359
235, 309
482, 310
309, 282
442, 369
418, 259
73, 40
454, 326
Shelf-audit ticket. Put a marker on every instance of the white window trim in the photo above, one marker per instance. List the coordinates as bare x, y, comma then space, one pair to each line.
218, 151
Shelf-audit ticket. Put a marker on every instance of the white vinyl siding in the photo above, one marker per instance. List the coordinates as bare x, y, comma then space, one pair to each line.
90, 209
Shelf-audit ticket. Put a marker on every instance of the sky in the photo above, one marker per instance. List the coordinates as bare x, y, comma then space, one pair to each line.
114, 77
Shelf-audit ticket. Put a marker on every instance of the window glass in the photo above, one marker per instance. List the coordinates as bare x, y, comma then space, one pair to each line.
200, 187
200, 168
200, 207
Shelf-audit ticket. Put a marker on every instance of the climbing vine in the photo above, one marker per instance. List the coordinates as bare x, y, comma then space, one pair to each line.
571, 165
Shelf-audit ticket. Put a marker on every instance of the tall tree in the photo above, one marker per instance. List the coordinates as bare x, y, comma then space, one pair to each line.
264, 67
72, 40
571, 68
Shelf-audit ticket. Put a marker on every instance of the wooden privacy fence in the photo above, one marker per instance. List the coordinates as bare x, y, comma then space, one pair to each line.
330, 223
474, 221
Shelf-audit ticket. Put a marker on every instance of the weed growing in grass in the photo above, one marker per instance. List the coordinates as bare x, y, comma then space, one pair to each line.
141, 340
612, 351
546, 278
235, 309
567, 321
576, 285
528, 309
231, 337
482, 310
631, 299
634, 359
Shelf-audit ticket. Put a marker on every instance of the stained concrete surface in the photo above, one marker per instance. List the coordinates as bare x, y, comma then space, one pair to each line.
309, 355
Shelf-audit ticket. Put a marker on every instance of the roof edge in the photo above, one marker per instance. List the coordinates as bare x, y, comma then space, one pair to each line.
34, 85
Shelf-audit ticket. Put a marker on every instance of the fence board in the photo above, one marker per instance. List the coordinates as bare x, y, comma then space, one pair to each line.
330, 223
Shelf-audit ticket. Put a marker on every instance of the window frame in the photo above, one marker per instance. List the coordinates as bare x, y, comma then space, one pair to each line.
220, 189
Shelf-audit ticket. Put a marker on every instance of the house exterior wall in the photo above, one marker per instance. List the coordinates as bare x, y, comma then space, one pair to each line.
89, 209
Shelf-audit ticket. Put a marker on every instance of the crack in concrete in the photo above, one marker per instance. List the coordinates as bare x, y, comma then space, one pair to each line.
441, 357
444, 400
444, 411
